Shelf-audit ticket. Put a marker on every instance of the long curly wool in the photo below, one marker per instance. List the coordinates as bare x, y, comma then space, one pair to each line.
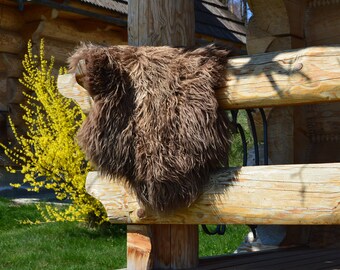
155, 120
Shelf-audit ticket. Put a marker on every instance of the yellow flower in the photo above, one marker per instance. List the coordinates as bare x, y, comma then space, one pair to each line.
47, 152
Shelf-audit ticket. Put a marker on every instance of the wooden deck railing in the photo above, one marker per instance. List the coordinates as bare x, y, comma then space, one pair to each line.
280, 194
285, 194
296, 77
289, 194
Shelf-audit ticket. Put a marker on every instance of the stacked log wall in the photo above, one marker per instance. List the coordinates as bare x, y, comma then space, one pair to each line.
62, 32
11, 48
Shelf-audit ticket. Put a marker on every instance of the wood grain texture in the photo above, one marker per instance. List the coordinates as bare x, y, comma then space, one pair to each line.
296, 11
271, 15
281, 126
174, 246
258, 40
295, 77
15, 91
285, 258
281, 135
161, 243
156, 23
11, 42
138, 247
3, 91
162, 246
184, 246
11, 94
59, 50
68, 87
37, 13
322, 24
277, 194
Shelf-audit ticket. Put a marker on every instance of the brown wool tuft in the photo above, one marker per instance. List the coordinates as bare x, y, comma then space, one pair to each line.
155, 119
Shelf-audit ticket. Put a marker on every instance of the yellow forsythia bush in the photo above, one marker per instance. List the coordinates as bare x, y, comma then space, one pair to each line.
47, 153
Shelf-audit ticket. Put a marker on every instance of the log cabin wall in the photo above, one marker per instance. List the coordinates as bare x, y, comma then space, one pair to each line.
300, 134
62, 31
11, 46
319, 125
317, 132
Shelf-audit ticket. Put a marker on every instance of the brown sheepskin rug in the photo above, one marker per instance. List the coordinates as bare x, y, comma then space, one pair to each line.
155, 120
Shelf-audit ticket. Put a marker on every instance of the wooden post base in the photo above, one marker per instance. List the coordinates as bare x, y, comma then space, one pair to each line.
162, 247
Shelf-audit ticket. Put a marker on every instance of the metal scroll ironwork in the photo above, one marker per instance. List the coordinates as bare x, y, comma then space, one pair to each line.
221, 228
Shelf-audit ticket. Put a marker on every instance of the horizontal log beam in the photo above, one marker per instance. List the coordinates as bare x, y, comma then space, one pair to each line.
296, 77
68, 32
68, 87
280, 194
11, 64
11, 18
11, 42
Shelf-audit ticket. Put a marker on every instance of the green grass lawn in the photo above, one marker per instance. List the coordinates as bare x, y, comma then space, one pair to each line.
66, 245
57, 245
211, 245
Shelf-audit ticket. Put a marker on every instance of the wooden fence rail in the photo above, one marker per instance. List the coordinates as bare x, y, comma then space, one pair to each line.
296, 77
294, 194
286, 194
275, 194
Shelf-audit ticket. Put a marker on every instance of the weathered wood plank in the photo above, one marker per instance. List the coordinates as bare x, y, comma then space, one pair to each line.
284, 258
280, 194
295, 77
156, 23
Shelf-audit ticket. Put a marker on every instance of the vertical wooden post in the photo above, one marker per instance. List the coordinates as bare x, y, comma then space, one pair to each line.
158, 23
138, 247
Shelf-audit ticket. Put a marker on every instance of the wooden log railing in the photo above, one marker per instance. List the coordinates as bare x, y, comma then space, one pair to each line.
296, 77
286, 194
280, 194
